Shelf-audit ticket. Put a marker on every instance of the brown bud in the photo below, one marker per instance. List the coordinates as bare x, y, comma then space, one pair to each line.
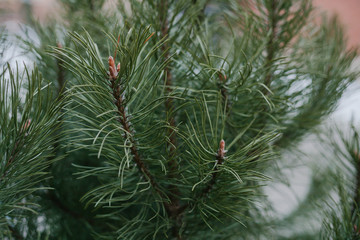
111, 62
113, 72
118, 67
222, 77
221, 151
112, 68
26, 125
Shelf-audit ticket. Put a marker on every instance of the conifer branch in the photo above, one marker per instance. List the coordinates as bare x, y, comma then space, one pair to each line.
220, 156
356, 201
10, 160
60, 205
173, 210
169, 106
223, 91
128, 133
61, 88
168, 83
97, 106
12, 155
15, 150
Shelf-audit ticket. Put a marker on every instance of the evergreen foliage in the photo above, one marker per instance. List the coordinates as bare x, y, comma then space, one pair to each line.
28, 142
164, 119
343, 216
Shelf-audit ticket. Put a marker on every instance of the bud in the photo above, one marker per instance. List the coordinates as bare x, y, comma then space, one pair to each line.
111, 62
221, 151
113, 73
118, 67
112, 69
222, 77
26, 125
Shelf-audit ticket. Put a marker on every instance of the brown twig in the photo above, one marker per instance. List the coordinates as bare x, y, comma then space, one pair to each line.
15, 233
174, 195
13, 154
220, 156
223, 91
128, 133
169, 106
60, 95
51, 196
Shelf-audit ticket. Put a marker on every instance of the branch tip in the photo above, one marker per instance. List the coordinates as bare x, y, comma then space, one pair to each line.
112, 69
221, 151
26, 125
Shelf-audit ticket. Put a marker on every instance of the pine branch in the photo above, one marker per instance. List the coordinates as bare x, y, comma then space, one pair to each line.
101, 109
169, 102
128, 133
223, 91
52, 197
24, 166
15, 150
10, 160
12, 155
169, 106
356, 201
173, 208
61, 89
60, 205
219, 161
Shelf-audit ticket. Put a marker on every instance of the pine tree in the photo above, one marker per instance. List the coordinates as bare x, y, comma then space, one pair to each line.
165, 119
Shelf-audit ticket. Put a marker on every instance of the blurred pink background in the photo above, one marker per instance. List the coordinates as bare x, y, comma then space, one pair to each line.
347, 10
349, 14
